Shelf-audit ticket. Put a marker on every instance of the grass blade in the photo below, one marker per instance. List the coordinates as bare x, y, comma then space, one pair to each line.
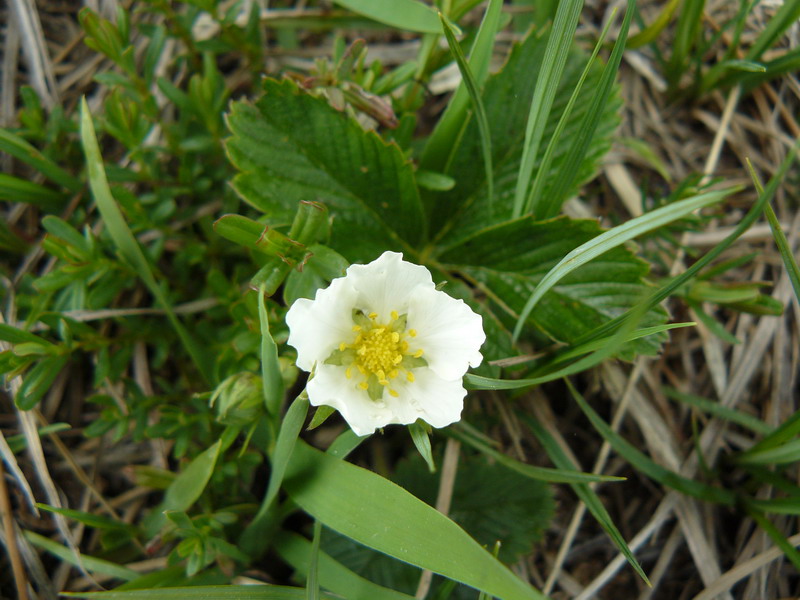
555, 58
383, 516
750, 218
254, 539
403, 14
126, 243
477, 105
440, 144
543, 207
588, 126
718, 410
333, 576
586, 494
780, 237
645, 465
22, 150
612, 238
532, 471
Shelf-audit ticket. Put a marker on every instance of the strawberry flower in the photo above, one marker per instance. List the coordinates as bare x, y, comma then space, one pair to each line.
385, 346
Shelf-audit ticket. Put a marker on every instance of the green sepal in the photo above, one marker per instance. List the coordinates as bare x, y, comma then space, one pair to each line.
320, 416
400, 323
412, 362
374, 389
360, 319
341, 358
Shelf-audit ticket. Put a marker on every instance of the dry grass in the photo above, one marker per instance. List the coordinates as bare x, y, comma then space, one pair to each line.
689, 549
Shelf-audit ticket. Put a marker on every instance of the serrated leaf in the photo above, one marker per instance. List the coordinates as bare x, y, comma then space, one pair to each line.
506, 97
510, 259
291, 146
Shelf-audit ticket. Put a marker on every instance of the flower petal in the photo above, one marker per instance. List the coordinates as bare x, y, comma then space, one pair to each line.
435, 400
316, 328
330, 387
448, 331
388, 283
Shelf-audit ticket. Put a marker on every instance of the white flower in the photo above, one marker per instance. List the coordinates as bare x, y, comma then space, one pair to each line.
386, 346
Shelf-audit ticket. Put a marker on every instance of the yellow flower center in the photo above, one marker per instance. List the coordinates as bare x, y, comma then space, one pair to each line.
379, 352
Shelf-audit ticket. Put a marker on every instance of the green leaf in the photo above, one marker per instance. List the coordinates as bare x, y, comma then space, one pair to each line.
123, 238
403, 14
493, 505
375, 512
459, 212
38, 381
185, 489
14, 189
22, 150
292, 146
721, 411
613, 238
271, 377
420, 434
322, 266
510, 260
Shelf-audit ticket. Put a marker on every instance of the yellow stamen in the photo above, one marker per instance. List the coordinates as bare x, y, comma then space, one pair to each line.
418, 353
412, 332
394, 393
342, 346
363, 385
349, 372
410, 377
373, 315
395, 316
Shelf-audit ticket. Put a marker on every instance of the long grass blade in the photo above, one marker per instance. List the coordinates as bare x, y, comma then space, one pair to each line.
126, 243
477, 105
584, 492
254, 539
543, 207
643, 463
555, 59
750, 218
613, 238
580, 144
441, 143
532, 471
780, 237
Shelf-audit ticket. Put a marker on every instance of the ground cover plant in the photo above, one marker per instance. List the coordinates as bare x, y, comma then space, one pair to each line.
377, 299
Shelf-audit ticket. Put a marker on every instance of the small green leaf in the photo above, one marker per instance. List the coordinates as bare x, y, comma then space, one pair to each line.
38, 380
420, 434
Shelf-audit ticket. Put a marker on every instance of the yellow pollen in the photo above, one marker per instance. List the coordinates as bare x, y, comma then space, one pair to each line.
378, 350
